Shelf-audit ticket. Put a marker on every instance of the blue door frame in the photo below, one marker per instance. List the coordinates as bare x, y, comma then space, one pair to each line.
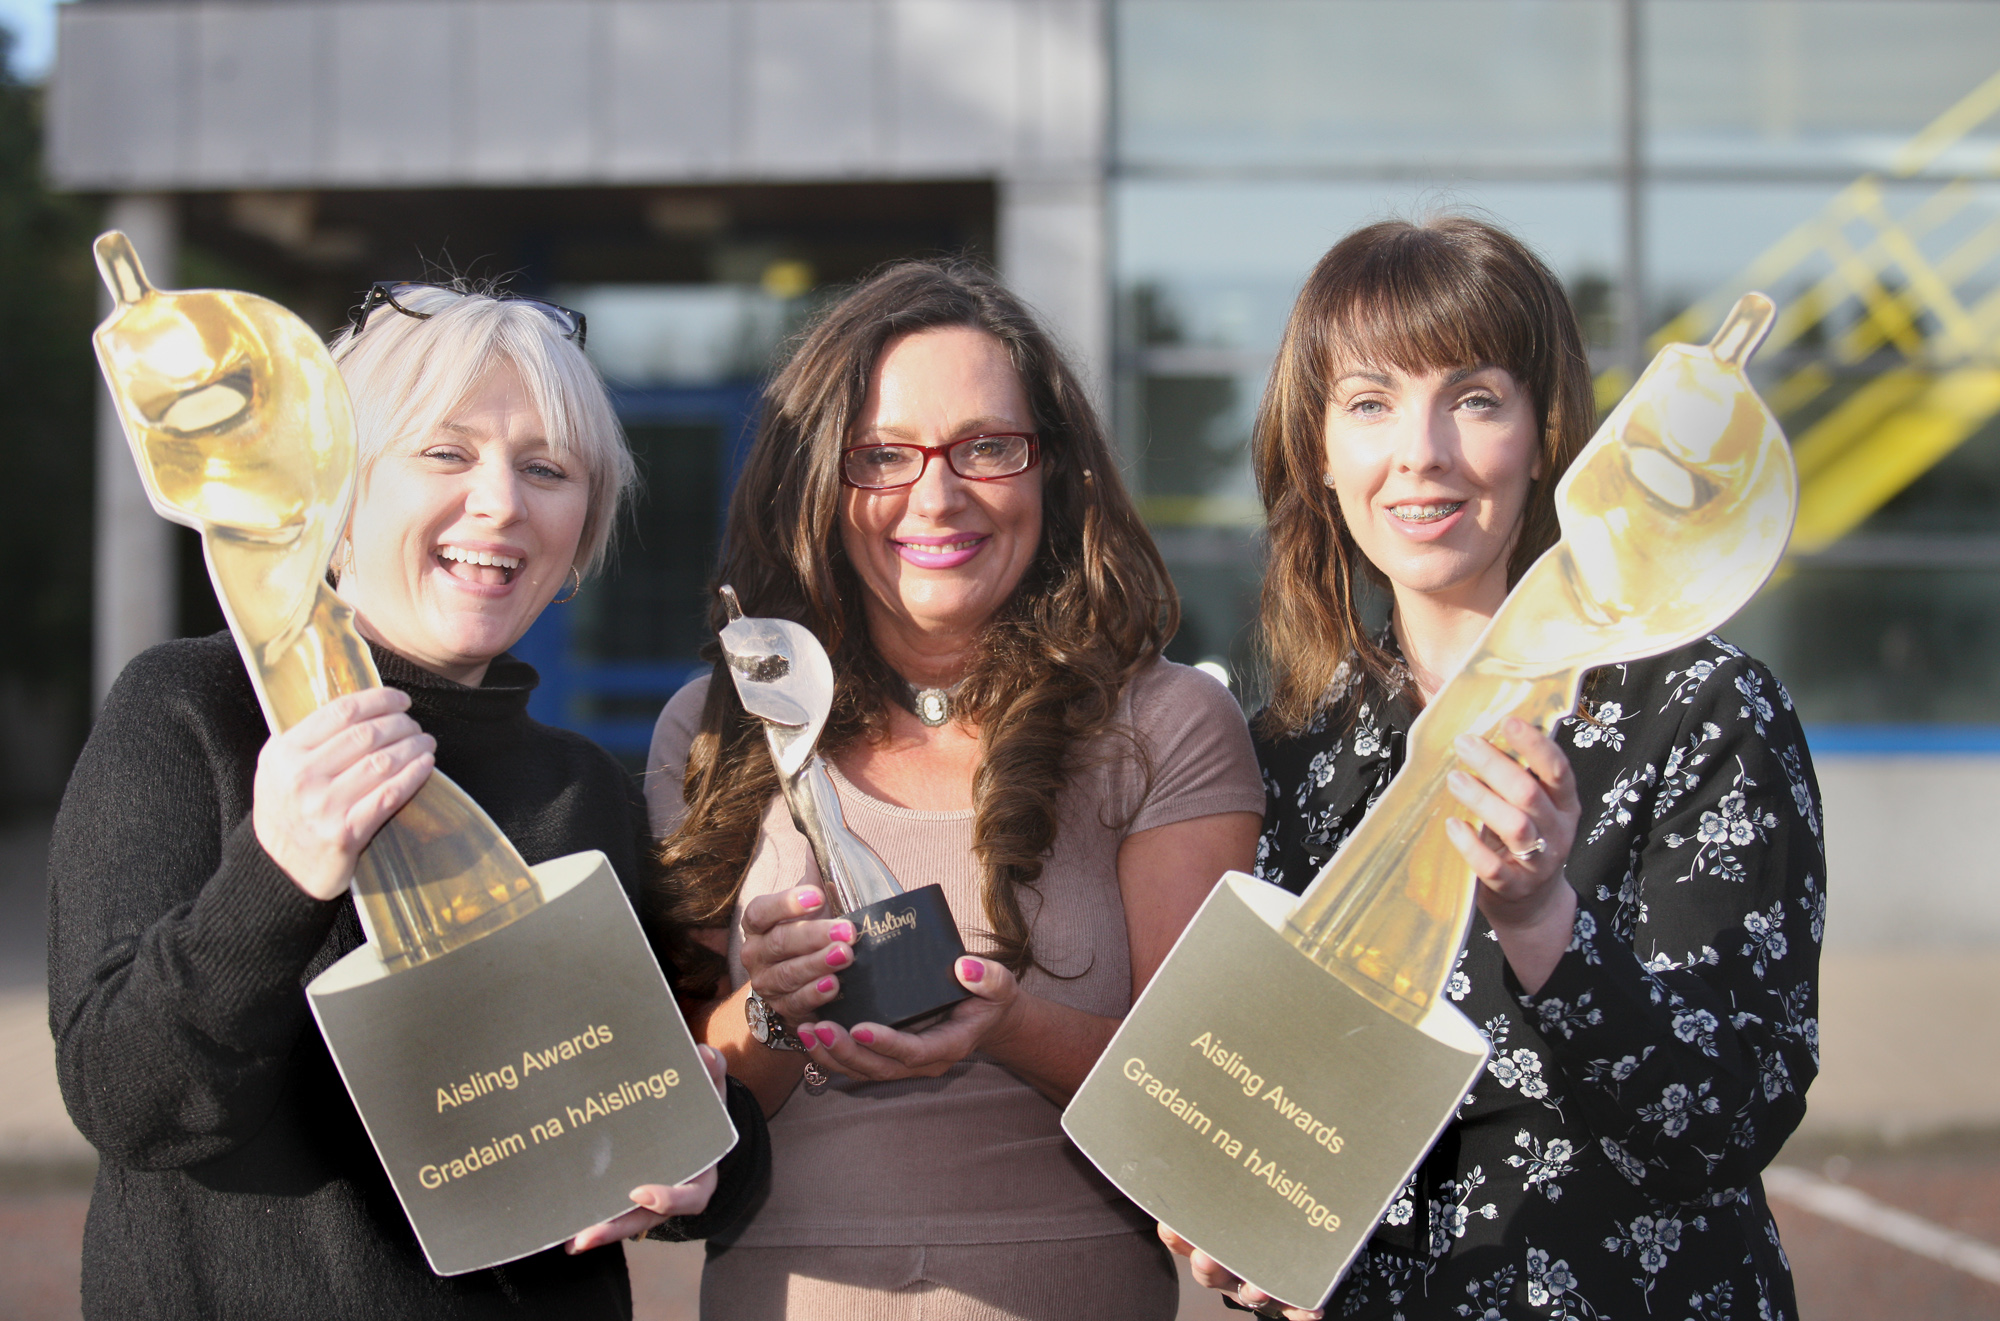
569, 681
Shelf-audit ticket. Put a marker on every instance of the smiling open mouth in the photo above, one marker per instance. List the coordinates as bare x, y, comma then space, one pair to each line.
478, 566
1427, 513
943, 547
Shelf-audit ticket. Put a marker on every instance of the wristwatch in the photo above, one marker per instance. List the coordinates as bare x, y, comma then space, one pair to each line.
766, 1026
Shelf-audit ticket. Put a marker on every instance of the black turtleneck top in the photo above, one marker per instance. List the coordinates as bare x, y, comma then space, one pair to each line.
236, 1179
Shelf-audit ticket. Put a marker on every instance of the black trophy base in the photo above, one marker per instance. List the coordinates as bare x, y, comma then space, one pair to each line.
905, 949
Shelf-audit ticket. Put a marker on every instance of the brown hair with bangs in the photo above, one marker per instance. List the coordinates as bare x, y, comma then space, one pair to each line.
1446, 293
1093, 608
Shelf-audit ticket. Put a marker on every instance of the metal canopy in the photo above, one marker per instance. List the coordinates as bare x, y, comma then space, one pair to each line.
330, 93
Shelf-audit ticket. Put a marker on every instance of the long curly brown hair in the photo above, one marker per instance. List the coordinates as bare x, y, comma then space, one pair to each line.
1451, 292
1093, 608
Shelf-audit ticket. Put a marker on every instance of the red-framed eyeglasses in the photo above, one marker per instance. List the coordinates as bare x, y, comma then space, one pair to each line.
886, 465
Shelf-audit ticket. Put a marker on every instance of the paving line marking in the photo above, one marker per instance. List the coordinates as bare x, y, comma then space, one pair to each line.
1858, 1211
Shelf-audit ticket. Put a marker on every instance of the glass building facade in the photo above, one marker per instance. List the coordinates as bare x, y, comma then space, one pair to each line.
1156, 177
1662, 155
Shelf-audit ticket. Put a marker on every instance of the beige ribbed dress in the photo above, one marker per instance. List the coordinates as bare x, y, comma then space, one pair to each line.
959, 1196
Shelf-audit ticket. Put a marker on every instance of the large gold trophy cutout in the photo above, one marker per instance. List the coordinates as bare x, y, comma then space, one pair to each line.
501, 1019
1293, 1060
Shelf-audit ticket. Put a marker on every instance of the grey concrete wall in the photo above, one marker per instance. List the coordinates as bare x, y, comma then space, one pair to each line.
1911, 856
250, 94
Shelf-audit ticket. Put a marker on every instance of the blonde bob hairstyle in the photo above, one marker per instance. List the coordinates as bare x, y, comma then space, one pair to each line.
406, 376
1451, 291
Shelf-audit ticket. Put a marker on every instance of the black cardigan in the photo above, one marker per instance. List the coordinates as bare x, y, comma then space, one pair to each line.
236, 1179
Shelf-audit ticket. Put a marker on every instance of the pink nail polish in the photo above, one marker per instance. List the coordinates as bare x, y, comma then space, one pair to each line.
864, 1036
837, 957
826, 1037
810, 899
842, 932
824, 985
972, 970
807, 1039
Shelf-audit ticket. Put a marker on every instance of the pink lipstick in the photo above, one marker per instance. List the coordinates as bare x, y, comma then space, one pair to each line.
939, 552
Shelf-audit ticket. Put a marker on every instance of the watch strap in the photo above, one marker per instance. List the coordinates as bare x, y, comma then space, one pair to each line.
766, 1026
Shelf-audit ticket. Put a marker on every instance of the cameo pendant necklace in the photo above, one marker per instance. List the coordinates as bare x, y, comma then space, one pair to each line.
930, 705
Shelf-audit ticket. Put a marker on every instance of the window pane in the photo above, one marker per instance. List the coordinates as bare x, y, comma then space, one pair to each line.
681, 334
652, 604
1207, 271
1701, 235
1868, 645
1927, 254
1833, 85
1442, 85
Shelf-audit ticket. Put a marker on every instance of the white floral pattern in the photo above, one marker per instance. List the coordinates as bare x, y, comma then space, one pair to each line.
1598, 724
1615, 1140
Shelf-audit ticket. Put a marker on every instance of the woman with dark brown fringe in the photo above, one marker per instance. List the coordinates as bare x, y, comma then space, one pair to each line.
932, 495
1645, 955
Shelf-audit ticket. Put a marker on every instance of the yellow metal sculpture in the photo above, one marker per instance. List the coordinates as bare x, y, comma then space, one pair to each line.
1891, 344
242, 430
1672, 518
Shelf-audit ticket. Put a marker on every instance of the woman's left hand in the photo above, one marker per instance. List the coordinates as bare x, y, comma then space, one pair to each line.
1528, 813
873, 1053
657, 1202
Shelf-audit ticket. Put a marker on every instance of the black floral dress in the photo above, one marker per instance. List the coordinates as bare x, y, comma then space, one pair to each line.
1607, 1163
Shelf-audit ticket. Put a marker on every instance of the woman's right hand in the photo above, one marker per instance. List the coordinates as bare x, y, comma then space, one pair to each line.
327, 784
792, 957
1210, 1274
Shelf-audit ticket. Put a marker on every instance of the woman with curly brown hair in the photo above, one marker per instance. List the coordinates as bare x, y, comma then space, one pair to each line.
1651, 883
932, 495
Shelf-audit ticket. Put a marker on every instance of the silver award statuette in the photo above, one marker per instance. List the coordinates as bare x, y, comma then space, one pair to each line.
1293, 1060
505, 1031
905, 941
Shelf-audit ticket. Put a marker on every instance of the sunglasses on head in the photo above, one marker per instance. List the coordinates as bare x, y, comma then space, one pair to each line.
385, 293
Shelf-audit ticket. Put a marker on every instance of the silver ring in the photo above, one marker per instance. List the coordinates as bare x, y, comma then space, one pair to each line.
1255, 1309
1531, 850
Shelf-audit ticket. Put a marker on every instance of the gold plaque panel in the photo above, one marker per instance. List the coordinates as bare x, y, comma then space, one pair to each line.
1235, 1120
517, 1090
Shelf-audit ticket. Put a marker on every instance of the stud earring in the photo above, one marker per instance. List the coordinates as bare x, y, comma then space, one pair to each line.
1328, 479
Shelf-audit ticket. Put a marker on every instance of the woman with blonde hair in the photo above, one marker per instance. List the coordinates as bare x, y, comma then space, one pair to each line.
1651, 884
199, 867
931, 494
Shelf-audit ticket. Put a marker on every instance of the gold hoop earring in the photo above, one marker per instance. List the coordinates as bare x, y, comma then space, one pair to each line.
575, 573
